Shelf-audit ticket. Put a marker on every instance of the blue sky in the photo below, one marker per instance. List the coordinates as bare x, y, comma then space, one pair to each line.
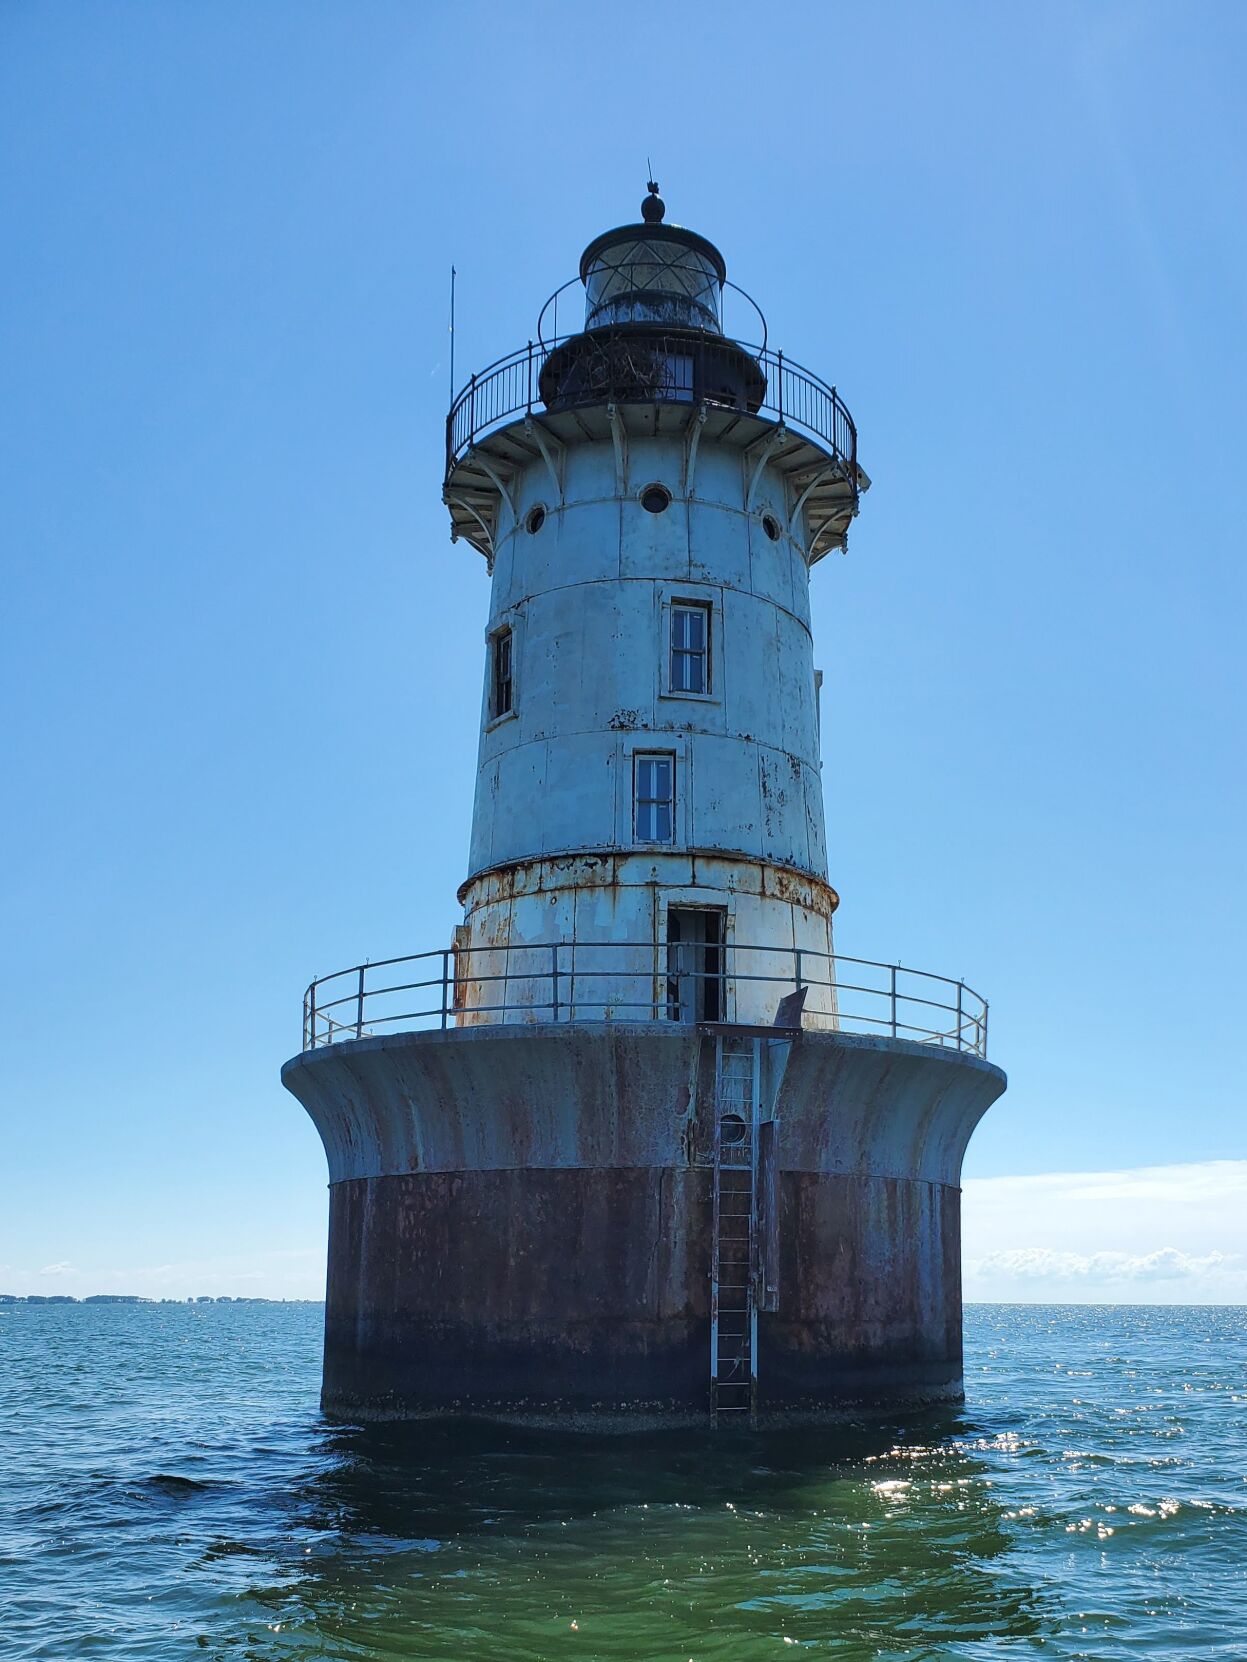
240, 660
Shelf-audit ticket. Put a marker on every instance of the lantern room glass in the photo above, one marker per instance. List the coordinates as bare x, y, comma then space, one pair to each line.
648, 280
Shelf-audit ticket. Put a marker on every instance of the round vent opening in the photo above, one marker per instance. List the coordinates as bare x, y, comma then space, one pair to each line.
732, 1129
536, 519
655, 499
771, 526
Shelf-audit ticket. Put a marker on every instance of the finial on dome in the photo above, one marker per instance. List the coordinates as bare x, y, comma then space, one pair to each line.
653, 207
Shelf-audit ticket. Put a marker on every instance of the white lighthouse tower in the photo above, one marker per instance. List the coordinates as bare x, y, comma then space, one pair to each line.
637, 1143
649, 762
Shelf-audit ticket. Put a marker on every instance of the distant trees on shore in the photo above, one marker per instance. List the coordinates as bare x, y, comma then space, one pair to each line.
139, 1298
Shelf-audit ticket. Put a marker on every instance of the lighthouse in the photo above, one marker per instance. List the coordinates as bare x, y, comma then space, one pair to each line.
637, 1145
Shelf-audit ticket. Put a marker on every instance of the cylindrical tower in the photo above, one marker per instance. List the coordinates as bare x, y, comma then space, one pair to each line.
660, 1154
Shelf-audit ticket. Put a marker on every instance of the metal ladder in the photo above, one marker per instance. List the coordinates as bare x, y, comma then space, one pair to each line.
733, 1252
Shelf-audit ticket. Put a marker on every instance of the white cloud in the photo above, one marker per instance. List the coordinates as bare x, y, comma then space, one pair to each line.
1194, 1183
1167, 1264
63, 1268
1157, 1234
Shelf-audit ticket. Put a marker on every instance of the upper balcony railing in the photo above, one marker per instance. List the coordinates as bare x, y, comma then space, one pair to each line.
574, 981
644, 367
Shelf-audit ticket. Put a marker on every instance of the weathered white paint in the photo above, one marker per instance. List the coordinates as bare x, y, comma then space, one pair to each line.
554, 854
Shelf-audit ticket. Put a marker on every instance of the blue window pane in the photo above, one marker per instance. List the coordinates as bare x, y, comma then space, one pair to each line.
688, 649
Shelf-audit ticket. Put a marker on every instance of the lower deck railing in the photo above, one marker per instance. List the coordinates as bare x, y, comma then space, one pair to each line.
566, 981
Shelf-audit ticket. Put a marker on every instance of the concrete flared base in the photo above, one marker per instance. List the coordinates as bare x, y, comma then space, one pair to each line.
533, 1239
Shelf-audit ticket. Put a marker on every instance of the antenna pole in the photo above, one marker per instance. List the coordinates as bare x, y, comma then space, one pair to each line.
453, 275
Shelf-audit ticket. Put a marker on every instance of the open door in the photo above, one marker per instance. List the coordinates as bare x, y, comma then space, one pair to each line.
695, 963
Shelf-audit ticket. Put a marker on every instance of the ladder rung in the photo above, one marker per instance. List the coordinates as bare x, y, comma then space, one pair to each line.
732, 1378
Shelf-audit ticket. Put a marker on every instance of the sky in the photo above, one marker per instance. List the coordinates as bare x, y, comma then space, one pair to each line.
240, 659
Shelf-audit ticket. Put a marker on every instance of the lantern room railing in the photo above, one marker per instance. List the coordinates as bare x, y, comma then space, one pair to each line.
575, 981
781, 389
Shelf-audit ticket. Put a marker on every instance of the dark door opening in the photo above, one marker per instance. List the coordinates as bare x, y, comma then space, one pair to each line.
695, 964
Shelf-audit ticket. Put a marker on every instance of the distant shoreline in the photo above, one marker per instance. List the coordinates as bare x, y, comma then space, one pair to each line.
144, 1298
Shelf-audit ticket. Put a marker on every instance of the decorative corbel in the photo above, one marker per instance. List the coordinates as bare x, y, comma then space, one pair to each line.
692, 438
620, 437
794, 519
765, 449
488, 550
483, 462
553, 452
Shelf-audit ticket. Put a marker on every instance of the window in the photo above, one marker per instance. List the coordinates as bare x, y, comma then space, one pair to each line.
690, 648
676, 377
501, 689
654, 798
655, 499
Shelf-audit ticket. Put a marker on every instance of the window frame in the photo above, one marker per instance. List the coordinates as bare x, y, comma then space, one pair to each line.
711, 602
644, 758
498, 638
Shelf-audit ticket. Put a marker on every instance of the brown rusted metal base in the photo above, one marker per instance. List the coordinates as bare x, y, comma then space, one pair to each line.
520, 1221
583, 1295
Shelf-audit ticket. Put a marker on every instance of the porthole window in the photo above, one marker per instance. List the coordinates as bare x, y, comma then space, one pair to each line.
655, 499
771, 526
535, 520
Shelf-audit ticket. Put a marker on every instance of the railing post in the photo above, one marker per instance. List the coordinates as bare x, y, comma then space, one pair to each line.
983, 1033
472, 411
530, 377
779, 356
893, 999
311, 1017
445, 985
960, 989
554, 982
359, 1006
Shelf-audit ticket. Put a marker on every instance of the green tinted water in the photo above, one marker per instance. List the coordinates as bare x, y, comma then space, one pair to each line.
167, 1489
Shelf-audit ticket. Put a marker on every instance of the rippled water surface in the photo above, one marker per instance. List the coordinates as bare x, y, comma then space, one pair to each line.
167, 1489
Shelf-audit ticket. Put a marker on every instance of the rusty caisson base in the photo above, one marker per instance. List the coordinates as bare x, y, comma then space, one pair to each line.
520, 1222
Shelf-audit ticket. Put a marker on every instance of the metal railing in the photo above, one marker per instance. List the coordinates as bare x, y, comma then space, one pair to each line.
641, 367
566, 981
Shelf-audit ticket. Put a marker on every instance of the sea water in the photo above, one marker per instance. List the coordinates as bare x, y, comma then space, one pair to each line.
169, 1489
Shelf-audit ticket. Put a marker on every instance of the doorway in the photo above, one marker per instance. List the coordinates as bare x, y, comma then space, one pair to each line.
696, 987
